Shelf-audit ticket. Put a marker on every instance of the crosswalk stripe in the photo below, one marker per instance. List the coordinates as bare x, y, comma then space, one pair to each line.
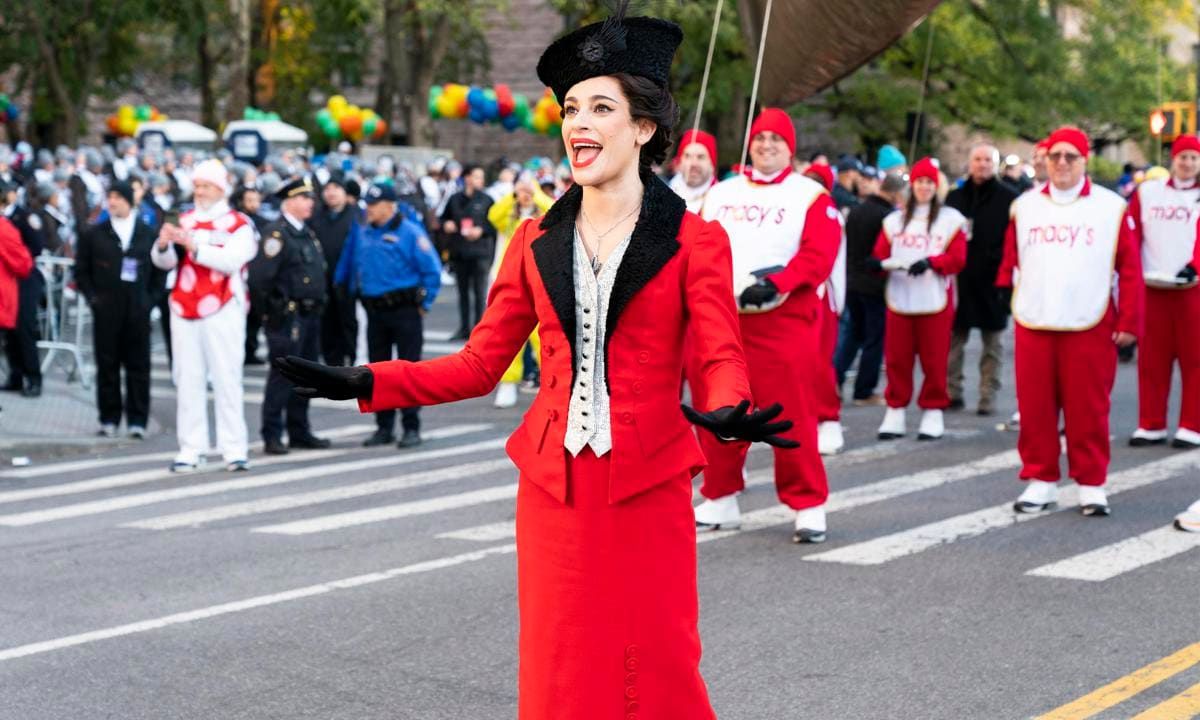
355, 518
316, 497
909, 542
256, 398
252, 481
779, 514
875, 492
255, 380
59, 468
483, 533
252, 603
125, 479
1107, 562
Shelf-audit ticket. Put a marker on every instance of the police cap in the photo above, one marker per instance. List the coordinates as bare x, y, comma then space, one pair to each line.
294, 188
381, 192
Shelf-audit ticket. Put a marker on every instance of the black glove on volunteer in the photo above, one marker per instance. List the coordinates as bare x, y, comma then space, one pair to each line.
314, 380
735, 423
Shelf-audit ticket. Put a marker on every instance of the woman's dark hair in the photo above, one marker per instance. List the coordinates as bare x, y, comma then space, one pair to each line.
648, 100
910, 206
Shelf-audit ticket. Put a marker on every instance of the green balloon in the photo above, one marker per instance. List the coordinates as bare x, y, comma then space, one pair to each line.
369, 126
273, 116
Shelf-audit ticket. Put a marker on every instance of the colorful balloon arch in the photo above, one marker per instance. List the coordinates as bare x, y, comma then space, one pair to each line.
9, 112
124, 122
339, 120
497, 105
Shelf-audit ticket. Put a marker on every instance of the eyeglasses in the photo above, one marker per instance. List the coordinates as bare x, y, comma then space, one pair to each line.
1069, 157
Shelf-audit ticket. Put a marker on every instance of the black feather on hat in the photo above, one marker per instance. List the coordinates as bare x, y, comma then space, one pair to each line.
642, 46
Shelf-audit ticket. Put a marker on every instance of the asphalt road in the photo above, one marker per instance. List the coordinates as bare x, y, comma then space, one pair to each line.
380, 583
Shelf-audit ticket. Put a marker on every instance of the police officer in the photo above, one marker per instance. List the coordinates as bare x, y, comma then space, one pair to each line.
392, 266
288, 282
24, 367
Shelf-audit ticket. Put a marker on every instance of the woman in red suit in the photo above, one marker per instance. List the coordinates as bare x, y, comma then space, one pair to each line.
616, 273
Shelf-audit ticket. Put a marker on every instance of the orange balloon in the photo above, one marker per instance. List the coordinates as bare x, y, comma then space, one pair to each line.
381, 129
350, 124
113, 124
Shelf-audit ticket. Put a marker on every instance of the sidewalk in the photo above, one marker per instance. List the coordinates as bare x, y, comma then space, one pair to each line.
60, 422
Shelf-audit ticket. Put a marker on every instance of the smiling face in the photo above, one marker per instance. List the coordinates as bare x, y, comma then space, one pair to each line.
1186, 165
1066, 165
206, 194
769, 153
602, 139
923, 190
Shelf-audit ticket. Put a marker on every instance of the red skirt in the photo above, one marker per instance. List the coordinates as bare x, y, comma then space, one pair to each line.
608, 601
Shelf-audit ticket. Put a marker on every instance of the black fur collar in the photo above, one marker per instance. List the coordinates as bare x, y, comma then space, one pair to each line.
653, 243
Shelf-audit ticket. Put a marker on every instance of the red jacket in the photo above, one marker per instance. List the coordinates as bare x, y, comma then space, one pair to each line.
675, 278
15, 265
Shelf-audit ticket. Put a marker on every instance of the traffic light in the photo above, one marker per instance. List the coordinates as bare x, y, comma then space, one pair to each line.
1171, 120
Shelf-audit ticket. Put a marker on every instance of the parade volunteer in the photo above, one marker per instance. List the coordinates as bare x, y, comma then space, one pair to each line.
1063, 244
209, 250
695, 168
784, 232
1163, 218
924, 247
616, 273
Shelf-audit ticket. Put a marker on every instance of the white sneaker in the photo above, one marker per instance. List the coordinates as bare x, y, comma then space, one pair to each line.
1039, 496
1093, 501
892, 426
810, 525
506, 395
829, 438
1189, 520
932, 425
1143, 437
107, 430
1186, 439
720, 514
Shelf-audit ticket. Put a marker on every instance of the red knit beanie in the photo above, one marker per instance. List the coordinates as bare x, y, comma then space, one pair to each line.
1071, 135
778, 122
924, 168
823, 173
1185, 142
698, 136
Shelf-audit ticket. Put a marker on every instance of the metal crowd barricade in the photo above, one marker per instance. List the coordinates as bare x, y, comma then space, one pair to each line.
65, 323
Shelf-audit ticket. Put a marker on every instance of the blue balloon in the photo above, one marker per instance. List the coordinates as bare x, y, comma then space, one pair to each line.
476, 98
510, 123
13, 112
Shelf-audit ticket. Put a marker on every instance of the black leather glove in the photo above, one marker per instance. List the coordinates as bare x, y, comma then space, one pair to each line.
759, 294
1188, 273
874, 264
921, 266
735, 423
314, 380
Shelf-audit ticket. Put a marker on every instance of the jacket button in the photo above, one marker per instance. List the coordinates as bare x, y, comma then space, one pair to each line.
631, 650
637, 388
307, 280
553, 415
626, 418
631, 664
643, 357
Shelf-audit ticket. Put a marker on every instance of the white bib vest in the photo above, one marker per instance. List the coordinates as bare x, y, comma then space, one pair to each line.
764, 222
1066, 254
1168, 227
928, 292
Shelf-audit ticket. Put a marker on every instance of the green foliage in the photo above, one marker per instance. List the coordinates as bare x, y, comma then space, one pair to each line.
1008, 68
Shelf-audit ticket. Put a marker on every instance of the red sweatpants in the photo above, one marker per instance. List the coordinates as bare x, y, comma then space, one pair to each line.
780, 372
907, 337
1071, 372
1172, 333
825, 390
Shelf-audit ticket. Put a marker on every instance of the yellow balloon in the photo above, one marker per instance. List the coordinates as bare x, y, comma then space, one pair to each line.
125, 111
127, 125
446, 106
336, 101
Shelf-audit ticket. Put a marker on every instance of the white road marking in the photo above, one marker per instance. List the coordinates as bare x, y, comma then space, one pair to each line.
876, 492
483, 533
355, 518
247, 380
287, 502
943, 532
1121, 557
144, 476
779, 514
252, 481
252, 603
256, 398
95, 463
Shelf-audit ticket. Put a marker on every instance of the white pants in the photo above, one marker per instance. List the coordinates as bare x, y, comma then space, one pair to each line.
211, 348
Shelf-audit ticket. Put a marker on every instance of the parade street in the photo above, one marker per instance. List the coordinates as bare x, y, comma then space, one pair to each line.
381, 583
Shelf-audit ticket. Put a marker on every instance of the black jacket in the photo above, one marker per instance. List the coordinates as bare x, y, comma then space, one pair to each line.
862, 230
476, 208
986, 208
332, 229
98, 262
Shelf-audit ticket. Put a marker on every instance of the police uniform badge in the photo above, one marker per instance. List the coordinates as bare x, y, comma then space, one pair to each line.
423, 244
272, 245
391, 238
